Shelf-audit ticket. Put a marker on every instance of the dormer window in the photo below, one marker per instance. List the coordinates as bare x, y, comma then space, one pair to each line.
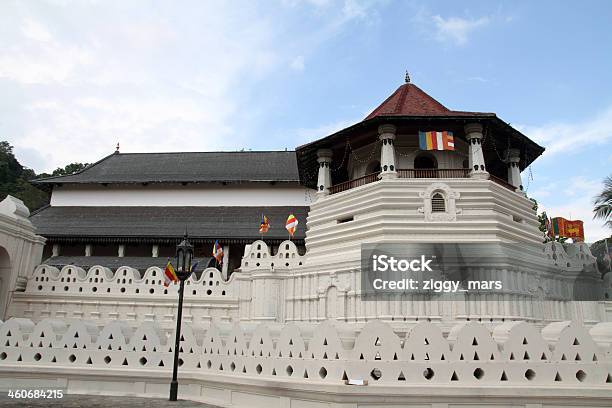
438, 204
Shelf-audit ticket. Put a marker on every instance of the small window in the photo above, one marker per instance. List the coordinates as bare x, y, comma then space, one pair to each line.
437, 203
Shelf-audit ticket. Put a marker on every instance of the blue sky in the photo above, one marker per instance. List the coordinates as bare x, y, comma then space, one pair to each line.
77, 77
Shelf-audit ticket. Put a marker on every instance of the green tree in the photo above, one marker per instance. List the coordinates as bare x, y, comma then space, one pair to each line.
15, 180
543, 217
67, 170
603, 203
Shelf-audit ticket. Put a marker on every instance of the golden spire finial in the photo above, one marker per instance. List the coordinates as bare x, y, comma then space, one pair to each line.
407, 77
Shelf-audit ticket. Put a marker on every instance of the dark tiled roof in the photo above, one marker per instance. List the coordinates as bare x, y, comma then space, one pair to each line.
156, 222
410, 100
201, 167
142, 263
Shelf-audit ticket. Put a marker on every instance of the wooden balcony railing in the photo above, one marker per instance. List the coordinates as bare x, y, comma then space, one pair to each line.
403, 173
433, 173
347, 185
501, 182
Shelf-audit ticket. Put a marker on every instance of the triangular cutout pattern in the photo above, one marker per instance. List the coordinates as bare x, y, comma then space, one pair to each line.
557, 377
503, 376
401, 376
344, 376
454, 377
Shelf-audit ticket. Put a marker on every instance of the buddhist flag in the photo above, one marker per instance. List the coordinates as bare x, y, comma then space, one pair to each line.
436, 140
568, 228
264, 225
291, 224
217, 252
169, 275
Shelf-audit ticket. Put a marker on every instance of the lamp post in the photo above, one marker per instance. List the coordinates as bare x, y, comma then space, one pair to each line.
184, 256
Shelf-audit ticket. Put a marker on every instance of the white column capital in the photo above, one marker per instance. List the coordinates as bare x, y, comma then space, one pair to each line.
324, 155
473, 130
513, 155
387, 131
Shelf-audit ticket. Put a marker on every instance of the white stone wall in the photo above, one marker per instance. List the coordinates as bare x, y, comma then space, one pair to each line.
102, 295
169, 195
309, 365
20, 250
286, 287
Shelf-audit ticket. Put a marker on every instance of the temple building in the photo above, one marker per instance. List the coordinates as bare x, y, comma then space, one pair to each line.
289, 321
130, 209
413, 171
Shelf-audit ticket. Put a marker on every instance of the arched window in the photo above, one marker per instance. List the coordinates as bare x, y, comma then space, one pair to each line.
438, 204
373, 167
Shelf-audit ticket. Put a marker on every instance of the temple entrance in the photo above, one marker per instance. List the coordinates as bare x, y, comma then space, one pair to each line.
5, 276
425, 166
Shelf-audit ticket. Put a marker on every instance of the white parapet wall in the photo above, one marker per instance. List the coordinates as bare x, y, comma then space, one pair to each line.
306, 365
285, 286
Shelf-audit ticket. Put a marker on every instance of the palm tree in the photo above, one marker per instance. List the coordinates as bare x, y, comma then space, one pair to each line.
603, 203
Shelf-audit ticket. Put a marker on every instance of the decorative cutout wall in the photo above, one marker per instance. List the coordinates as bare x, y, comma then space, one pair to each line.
563, 354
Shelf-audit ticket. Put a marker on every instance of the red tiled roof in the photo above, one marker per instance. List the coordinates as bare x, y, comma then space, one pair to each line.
410, 100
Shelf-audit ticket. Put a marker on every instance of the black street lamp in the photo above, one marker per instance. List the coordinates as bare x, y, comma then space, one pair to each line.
184, 256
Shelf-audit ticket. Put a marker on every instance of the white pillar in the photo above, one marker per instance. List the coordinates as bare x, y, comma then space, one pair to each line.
324, 157
55, 250
387, 152
121, 251
87, 249
473, 134
225, 265
514, 171
155, 251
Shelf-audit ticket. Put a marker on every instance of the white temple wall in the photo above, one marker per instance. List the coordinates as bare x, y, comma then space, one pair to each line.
307, 365
399, 210
197, 195
20, 250
286, 287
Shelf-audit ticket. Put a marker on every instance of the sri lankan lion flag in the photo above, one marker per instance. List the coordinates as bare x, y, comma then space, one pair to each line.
264, 225
568, 228
436, 140
169, 275
291, 224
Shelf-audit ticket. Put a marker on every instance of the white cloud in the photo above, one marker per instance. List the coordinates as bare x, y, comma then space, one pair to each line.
456, 29
306, 135
297, 63
85, 75
565, 137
